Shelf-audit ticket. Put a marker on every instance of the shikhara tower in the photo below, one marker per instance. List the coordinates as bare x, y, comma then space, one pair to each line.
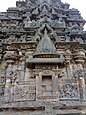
42, 59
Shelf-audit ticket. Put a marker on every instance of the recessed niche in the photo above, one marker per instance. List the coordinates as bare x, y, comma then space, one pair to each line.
47, 80
46, 85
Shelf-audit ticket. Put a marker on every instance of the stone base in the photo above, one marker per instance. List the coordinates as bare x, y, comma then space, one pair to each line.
46, 108
36, 112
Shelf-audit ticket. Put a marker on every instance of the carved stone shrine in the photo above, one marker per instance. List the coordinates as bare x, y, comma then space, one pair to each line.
42, 59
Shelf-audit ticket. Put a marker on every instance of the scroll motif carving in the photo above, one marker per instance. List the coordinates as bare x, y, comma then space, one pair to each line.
47, 72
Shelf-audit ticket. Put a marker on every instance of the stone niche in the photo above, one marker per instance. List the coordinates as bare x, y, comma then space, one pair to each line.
46, 86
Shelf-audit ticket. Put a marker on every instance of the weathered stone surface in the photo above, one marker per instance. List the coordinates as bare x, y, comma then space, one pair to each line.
43, 59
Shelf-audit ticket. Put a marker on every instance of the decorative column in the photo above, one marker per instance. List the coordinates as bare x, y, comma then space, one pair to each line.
38, 85
7, 91
55, 82
81, 74
68, 63
80, 71
82, 88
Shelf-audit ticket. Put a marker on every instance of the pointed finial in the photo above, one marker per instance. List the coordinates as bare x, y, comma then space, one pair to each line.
45, 31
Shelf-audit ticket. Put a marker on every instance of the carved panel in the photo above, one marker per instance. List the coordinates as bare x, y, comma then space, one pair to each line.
47, 72
68, 89
24, 93
20, 93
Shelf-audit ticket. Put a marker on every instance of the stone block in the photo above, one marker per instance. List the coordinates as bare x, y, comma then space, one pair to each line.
48, 88
46, 93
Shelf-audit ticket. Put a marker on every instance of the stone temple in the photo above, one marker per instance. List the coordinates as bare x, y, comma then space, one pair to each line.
42, 59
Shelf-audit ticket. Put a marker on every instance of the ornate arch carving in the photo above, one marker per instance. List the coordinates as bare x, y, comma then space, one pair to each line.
47, 72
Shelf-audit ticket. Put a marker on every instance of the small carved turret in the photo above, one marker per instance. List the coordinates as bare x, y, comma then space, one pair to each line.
80, 56
10, 56
45, 46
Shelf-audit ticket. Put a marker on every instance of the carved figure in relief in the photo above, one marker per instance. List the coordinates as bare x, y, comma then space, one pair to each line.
78, 70
12, 72
7, 90
10, 90
9, 71
68, 90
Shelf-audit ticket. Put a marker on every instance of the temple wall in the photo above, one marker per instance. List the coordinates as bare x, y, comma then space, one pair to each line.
42, 59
